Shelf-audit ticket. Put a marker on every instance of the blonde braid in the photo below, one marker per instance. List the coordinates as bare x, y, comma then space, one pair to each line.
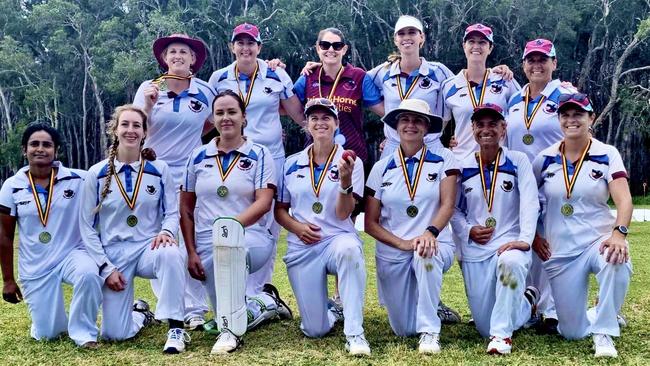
112, 152
392, 58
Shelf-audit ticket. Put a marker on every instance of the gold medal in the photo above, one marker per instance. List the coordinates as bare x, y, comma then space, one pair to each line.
317, 207
316, 185
222, 191
44, 237
489, 197
132, 220
130, 201
569, 183
528, 139
566, 209
249, 91
490, 222
412, 187
161, 81
412, 211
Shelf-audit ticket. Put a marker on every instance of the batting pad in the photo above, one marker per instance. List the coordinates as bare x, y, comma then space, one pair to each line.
230, 274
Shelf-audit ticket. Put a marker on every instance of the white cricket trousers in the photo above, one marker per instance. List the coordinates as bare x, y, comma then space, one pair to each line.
537, 277
44, 298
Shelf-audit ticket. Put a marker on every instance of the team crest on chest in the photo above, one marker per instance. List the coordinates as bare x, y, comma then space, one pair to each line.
550, 175
245, 164
333, 174
349, 85
267, 90
550, 108
68, 194
386, 184
507, 186
151, 189
196, 106
425, 83
209, 166
596, 174
468, 189
431, 177
496, 88
462, 95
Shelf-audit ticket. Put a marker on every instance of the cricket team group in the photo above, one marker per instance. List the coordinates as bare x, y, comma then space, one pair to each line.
519, 198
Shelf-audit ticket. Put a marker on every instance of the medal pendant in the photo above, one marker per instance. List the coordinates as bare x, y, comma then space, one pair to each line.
528, 139
490, 222
222, 191
44, 237
162, 85
566, 209
412, 211
317, 207
132, 220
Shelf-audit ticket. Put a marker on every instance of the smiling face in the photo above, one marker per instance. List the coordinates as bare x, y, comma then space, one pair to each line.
130, 131
412, 127
409, 40
228, 117
330, 56
539, 67
40, 149
245, 48
488, 130
179, 58
477, 48
575, 122
321, 125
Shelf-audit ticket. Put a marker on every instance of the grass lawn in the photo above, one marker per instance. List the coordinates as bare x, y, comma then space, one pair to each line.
283, 343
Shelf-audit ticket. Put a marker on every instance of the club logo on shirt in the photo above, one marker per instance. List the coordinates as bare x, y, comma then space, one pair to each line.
515, 109
151, 190
300, 176
22, 203
245, 164
333, 174
550, 175
496, 88
425, 83
68, 194
462, 95
386, 184
209, 166
507, 186
267, 90
431, 177
468, 189
349, 85
196, 106
596, 174
550, 108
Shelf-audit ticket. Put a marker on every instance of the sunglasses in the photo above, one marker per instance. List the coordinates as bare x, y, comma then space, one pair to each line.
320, 101
578, 97
324, 45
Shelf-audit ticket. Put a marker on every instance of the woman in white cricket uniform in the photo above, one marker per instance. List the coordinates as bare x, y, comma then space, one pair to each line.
496, 218
576, 177
179, 108
40, 199
231, 176
409, 201
321, 190
264, 91
128, 220
531, 127
473, 86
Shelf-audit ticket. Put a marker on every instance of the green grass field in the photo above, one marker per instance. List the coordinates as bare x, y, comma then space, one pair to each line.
283, 343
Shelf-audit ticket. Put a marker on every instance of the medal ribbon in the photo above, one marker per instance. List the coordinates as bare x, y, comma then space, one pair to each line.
43, 215
528, 121
163, 77
569, 183
472, 96
131, 201
489, 198
412, 186
336, 82
249, 91
229, 169
403, 96
312, 171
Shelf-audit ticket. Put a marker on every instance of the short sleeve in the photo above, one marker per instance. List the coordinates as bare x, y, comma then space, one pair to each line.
373, 185
357, 178
138, 100
371, 93
445, 113
287, 84
376, 76
265, 173
6, 197
300, 88
189, 175
450, 166
616, 166
283, 191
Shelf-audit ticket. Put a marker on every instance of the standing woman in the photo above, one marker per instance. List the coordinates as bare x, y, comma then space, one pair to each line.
178, 106
348, 87
263, 91
128, 220
39, 200
473, 86
532, 126
410, 199
230, 176
496, 221
576, 177
321, 189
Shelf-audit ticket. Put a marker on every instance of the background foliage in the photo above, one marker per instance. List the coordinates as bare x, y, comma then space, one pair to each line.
70, 62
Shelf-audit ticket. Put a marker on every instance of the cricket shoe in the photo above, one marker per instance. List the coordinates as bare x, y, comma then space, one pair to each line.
226, 343
499, 346
194, 323
143, 307
447, 315
176, 339
429, 343
283, 310
604, 346
357, 345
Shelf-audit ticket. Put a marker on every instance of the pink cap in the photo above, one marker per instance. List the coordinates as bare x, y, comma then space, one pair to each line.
246, 28
487, 109
479, 28
543, 46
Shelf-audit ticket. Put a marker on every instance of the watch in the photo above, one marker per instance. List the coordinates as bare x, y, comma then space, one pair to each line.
345, 190
433, 230
621, 229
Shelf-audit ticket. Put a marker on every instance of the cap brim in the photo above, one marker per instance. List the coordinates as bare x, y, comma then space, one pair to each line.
573, 104
200, 51
487, 112
435, 122
321, 107
541, 52
478, 33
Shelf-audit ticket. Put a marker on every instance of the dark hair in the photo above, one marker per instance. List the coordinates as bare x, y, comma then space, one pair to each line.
334, 31
40, 126
230, 93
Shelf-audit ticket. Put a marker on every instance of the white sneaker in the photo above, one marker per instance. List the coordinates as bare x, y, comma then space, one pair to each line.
499, 346
194, 323
604, 346
226, 342
429, 343
357, 345
176, 339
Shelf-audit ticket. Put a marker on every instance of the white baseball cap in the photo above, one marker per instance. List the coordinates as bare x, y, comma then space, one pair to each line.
408, 21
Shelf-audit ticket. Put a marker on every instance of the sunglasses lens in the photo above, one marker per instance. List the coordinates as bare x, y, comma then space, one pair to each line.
324, 45
338, 46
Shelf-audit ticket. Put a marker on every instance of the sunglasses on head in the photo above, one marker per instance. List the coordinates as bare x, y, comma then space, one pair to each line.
324, 45
578, 97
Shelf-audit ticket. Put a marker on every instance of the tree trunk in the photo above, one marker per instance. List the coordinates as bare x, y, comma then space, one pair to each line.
6, 110
84, 117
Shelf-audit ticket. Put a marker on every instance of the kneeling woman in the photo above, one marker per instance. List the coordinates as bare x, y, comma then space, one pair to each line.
495, 221
128, 219
40, 199
322, 188
576, 177
409, 201
230, 176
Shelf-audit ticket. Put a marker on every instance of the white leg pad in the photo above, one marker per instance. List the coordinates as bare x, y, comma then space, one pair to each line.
230, 274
